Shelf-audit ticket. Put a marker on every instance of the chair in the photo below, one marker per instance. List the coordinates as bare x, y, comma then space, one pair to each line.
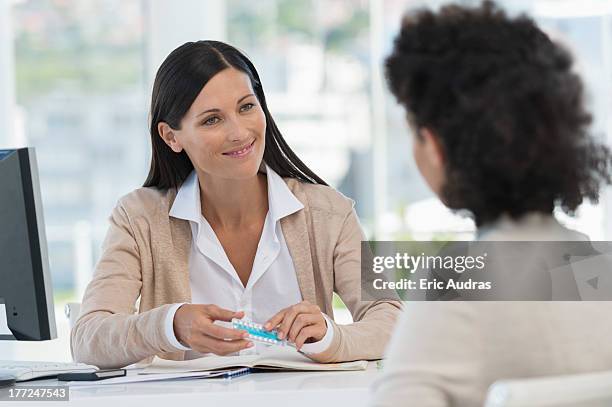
71, 310
584, 390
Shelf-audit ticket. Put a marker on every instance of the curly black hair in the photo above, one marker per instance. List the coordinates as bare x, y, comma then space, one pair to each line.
506, 107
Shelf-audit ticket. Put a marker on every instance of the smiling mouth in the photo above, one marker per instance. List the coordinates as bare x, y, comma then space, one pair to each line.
242, 152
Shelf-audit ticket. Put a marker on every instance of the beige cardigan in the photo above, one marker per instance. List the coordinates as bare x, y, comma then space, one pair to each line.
145, 255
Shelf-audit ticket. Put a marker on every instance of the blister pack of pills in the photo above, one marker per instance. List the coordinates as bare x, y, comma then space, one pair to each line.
258, 333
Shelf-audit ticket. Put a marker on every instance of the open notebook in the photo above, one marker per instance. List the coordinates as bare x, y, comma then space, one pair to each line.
276, 358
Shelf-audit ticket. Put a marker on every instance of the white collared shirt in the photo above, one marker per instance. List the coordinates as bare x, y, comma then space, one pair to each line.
272, 284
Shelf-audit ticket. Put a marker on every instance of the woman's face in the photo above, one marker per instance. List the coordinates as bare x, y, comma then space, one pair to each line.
223, 133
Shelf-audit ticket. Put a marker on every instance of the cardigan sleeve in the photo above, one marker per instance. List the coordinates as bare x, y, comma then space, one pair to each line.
107, 333
368, 335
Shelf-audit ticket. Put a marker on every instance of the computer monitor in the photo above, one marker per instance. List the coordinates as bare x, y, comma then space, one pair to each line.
25, 283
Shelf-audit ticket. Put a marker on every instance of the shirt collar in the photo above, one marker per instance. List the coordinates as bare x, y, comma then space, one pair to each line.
281, 201
187, 202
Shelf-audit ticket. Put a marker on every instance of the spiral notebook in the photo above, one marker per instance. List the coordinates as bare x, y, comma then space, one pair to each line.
275, 359
139, 377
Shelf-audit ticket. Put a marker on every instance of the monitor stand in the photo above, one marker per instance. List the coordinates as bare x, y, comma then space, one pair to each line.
5, 332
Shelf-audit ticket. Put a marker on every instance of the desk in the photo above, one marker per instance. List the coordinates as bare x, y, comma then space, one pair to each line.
295, 389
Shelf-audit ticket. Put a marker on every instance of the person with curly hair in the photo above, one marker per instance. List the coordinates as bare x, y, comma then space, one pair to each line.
499, 131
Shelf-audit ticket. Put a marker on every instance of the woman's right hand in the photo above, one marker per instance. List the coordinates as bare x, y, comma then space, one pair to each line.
194, 327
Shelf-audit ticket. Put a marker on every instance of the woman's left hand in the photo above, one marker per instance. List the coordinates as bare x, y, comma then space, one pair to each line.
300, 323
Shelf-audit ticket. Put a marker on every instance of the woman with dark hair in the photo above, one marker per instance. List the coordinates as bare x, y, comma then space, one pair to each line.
500, 131
229, 224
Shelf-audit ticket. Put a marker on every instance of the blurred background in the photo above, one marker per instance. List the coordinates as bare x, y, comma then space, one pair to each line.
75, 82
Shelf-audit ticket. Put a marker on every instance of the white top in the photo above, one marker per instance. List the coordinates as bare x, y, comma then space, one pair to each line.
272, 284
448, 353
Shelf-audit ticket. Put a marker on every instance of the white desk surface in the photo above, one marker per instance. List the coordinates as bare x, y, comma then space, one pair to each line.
295, 389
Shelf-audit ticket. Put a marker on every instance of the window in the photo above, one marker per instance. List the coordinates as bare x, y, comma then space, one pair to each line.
82, 71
